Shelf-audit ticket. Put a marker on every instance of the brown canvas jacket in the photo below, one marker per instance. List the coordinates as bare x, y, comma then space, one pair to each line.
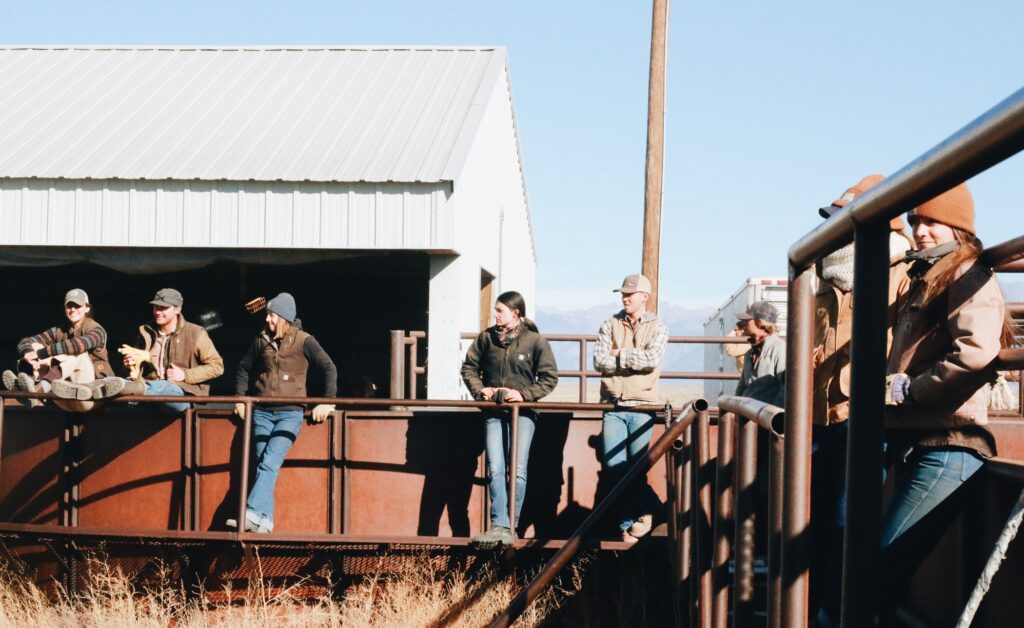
947, 346
524, 363
833, 331
190, 348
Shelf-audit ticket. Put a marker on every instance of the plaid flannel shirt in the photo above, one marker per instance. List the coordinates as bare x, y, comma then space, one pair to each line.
629, 360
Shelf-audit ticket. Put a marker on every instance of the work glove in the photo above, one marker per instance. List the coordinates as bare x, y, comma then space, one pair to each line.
240, 410
897, 389
321, 412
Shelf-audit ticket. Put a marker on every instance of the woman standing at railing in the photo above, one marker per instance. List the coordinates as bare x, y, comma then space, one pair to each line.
508, 362
950, 327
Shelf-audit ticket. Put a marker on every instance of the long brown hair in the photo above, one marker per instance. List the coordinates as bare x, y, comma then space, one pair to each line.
968, 252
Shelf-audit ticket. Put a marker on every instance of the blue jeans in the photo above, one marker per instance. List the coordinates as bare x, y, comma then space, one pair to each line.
926, 499
162, 387
498, 439
625, 436
274, 431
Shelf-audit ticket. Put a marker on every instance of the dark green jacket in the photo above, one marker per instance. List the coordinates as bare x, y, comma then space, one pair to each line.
524, 363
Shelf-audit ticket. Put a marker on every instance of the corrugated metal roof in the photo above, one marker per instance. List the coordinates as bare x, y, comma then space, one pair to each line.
264, 114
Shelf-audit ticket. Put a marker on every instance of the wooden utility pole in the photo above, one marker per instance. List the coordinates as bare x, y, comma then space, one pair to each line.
655, 149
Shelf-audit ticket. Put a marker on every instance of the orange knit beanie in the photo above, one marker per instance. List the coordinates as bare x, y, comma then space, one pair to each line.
954, 208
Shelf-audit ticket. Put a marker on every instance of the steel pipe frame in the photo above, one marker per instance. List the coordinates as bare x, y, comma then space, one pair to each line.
701, 522
768, 417
510, 466
797, 457
745, 508
684, 543
777, 480
575, 542
725, 474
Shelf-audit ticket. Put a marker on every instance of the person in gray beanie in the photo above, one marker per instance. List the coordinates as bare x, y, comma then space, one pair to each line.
276, 366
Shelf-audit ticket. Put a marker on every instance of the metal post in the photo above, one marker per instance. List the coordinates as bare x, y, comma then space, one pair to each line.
797, 464
777, 479
583, 370
724, 523
684, 480
513, 449
397, 363
187, 470
1, 434
865, 457
746, 508
243, 476
653, 181
702, 523
197, 460
411, 388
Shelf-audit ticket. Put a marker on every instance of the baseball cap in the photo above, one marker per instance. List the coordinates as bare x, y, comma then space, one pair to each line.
634, 283
762, 310
76, 296
167, 297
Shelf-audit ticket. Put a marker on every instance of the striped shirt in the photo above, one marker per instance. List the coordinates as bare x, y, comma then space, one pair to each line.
56, 341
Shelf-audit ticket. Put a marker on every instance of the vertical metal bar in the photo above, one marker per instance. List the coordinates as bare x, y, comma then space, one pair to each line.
672, 507
797, 464
1, 435
197, 458
513, 448
345, 475
746, 507
776, 478
865, 457
76, 461
583, 370
397, 364
724, 521
702, 522
186, 468
243, 476
684, 551
412, 367
65, 473
335, 477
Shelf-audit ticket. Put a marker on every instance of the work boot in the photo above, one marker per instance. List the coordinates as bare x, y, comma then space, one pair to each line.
493, 538
10, 380
642, 526
25, 383
232, 524
117, 386
70, 390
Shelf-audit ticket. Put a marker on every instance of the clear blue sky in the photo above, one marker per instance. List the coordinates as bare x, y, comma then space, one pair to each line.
773, 109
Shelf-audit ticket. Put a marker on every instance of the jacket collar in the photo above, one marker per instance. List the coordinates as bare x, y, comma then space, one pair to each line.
646, 317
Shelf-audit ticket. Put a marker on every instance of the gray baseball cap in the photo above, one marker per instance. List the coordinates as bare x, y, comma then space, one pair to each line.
762, 310
168, 297
76, 296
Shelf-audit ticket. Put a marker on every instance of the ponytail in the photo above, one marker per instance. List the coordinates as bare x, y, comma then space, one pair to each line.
515, 301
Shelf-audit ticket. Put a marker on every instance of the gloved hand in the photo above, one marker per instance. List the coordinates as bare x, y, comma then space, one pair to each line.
240, 410
897, 389
321, 412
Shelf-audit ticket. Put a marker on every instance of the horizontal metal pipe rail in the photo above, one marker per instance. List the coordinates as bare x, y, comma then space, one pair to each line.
767, 416
658, 449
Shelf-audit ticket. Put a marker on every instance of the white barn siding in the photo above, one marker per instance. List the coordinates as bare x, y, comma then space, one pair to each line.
224, 214
492, 233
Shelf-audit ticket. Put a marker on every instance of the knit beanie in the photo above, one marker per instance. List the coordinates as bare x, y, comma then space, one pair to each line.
865, 184
953, 208
284, 306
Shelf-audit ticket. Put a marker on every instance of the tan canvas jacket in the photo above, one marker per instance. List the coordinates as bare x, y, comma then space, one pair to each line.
947, 346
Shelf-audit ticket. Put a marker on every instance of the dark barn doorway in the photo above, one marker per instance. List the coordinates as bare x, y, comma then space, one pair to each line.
349, 304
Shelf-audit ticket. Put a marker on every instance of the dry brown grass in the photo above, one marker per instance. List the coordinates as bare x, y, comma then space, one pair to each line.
422, 596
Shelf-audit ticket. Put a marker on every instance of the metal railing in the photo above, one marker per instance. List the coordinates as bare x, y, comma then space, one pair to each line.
988, 140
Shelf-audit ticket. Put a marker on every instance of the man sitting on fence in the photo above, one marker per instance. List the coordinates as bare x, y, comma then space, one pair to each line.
181, 358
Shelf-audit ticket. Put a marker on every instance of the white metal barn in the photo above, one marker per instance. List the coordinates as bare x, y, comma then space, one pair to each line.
142, 161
